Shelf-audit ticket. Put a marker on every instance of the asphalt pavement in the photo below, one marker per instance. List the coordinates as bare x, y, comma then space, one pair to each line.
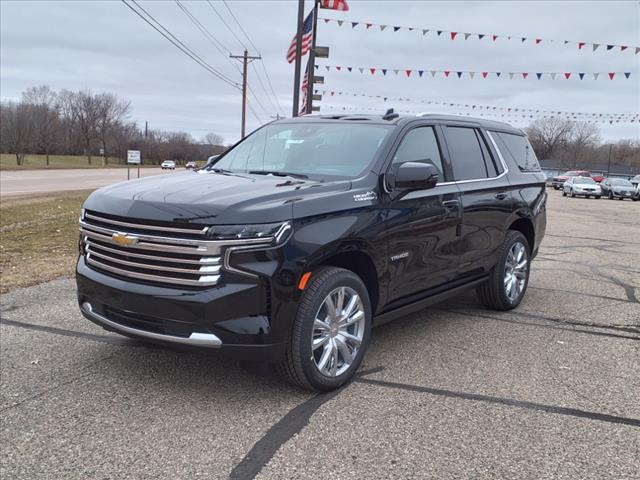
15, 183
550, 390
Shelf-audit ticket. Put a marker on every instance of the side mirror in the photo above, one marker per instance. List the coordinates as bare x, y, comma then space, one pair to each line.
415, 176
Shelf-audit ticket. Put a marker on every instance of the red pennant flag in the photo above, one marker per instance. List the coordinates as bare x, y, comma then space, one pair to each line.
333, 93
369, 25
446, 73
538, 40
484, 74
408, 73
611, 75
373, 70
338, 68
494, 37
623, 48
453, 35
567, 75
580, 45
525, 74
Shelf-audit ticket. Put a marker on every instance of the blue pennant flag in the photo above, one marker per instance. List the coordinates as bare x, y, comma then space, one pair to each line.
539, 75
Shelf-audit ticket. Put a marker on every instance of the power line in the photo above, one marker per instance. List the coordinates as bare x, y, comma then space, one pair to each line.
229, 28
220, 47
179, 44
264, 68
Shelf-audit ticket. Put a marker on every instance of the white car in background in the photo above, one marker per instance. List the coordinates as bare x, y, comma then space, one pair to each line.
168, 165
583, 186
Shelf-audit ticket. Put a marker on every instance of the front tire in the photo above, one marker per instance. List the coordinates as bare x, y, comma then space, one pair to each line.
331, 331
598, 197
564, 193
509, 278
573, 195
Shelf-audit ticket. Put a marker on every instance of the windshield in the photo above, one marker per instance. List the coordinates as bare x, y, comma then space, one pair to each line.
583, 180
321, 150
622, 182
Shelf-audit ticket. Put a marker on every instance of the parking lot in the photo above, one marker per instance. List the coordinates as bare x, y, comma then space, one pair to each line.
550, 390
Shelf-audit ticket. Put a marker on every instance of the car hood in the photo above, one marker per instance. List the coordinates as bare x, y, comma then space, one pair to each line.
586, 185
624, 188
209, 198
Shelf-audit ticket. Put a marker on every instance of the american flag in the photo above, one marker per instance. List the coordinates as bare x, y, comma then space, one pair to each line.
335, 5
305, 89
307, 37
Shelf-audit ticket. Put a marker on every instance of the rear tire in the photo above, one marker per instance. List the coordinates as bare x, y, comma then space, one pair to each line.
610, 195
573, 195
495, 293
598, 197
564, 194
303, 364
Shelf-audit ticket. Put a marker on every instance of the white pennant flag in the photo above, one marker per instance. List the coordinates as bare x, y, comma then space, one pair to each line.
424, 31
595, 76
595, 46
466, 36
361, 69
433, 73
471, 74
553, 76
511, 74
396, 71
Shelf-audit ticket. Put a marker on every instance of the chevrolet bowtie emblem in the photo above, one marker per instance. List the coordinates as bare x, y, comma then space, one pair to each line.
124, 240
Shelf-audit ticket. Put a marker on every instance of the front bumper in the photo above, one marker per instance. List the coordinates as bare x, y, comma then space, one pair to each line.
627, 194
233, 318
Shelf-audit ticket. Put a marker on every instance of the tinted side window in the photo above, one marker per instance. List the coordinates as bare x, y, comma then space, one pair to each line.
493, 167
420, 145
518, 149
467, 158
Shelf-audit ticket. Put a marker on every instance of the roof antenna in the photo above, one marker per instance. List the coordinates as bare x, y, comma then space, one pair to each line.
390, 115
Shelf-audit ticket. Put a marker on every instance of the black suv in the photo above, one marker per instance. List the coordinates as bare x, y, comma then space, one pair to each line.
295, 242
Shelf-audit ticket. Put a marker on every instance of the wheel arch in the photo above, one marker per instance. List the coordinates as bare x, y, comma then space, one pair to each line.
525, 226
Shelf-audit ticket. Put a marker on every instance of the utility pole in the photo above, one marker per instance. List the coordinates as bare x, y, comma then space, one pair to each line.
296, 75
312, 59
609, 166
246, 58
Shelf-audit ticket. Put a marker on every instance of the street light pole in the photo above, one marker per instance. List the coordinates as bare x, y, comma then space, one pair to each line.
246, 58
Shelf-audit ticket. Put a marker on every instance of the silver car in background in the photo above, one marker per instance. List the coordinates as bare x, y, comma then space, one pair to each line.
583, 186
619, 188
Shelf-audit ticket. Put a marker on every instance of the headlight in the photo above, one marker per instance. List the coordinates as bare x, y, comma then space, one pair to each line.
275, 232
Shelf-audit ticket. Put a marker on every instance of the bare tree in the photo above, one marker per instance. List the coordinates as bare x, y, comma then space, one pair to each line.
16, 129
44, 110
212, 139
548, 135
581, 143
112, 113
83, 111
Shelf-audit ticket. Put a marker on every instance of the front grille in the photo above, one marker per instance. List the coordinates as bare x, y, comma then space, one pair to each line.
163, 253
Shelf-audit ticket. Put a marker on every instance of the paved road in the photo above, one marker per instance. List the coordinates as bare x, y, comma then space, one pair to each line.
28, 182
456, 391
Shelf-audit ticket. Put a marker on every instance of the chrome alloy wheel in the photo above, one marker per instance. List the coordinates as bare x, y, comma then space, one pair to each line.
515, 271
338, 330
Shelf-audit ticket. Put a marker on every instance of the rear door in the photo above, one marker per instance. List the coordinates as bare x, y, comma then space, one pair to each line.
422, 225
485, 195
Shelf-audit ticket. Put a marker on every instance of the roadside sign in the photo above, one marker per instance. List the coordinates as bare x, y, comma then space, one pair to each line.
102, 151
318, 79
133, 156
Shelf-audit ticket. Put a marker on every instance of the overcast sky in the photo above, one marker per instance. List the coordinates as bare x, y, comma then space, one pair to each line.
104, 46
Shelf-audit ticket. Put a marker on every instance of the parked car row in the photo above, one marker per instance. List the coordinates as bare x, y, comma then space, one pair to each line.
587, 187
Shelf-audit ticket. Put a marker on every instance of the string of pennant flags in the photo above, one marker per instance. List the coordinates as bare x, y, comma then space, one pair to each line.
472, 74
484, 108
457, 35
506, 116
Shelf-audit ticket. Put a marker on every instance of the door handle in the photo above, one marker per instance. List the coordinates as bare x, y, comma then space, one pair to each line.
451, 203
501, 195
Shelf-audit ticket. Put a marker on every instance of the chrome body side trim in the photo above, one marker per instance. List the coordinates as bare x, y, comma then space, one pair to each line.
195, 339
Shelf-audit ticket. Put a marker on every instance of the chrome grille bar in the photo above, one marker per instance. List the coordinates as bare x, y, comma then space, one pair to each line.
140, 226
165, 259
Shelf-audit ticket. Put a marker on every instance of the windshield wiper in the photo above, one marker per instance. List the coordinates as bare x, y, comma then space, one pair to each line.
278, 173
219, 170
